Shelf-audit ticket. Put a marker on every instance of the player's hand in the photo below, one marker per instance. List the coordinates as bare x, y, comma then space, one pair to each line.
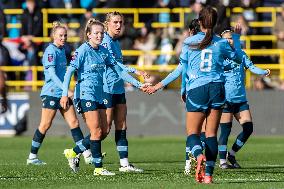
144, 74
238, 29
268, 72
145, 86
64, 102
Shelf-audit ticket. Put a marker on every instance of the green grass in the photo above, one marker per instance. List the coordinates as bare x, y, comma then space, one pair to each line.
161, 157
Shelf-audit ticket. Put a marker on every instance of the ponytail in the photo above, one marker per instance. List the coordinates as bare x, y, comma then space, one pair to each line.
207, 18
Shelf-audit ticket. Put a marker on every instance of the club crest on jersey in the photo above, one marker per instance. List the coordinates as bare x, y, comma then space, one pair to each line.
52, 103
50, 57
74, 56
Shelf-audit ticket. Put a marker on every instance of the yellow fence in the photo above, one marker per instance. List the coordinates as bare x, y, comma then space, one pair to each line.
136, 12
35, 84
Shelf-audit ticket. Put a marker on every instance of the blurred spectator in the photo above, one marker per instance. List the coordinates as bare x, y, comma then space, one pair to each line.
3, 31
3, 95
165, 17
246, 30
127, 38
10, 18
166, 48
65, 4
223, 21
261, 83
278, 29
146, 42
88, 4
5, 59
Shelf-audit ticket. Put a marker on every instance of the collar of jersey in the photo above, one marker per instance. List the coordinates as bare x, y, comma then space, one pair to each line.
56, 46
91, 46
113, 39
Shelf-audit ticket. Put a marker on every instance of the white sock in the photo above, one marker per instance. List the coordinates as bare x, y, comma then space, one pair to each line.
87, 153
232, 153
187, 163
124, 162
222, 161
32, 156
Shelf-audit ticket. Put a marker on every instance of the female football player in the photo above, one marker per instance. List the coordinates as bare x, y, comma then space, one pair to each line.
236, 104
54, 63
90, 61
117, 109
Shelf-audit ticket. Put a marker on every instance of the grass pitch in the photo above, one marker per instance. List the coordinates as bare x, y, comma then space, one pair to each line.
162, 158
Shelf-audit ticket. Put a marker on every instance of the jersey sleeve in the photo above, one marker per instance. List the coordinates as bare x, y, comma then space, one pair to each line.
249, 65
183, 79
237, 42
126, 77
67, 79
173, 75
77, 58
231, 53
184, 54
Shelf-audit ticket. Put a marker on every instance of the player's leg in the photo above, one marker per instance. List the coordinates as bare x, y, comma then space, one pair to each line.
225, 126
47, 116
119, 116
245, 119
73, 123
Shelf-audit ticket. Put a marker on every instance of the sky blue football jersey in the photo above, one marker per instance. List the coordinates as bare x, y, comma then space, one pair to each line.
54, 63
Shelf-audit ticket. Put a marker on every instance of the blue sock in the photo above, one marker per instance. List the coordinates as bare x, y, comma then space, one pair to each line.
121, 143
202, 139
187, 149
195, 144
82, 145
223, 139
96, 153
211, 151
36, 142
243, 136
77, 135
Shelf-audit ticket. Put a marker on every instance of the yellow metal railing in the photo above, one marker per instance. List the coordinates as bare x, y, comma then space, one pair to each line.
35, 83
136, 12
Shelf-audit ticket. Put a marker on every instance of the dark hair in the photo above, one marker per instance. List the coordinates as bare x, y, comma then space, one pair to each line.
207, 18
194, 26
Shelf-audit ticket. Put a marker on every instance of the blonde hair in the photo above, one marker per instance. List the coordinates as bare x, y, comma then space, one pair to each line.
56, 25
89, 24
110, 15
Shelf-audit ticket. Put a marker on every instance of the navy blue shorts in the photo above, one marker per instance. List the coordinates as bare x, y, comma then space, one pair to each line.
53, 103
206, 97
114, 99
83, 106
235, 107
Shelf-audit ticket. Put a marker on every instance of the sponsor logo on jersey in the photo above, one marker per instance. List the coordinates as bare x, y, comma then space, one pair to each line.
50, 57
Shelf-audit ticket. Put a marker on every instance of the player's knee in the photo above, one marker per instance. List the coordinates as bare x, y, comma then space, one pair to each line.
96, 134
247, 128
74, 123
43, 127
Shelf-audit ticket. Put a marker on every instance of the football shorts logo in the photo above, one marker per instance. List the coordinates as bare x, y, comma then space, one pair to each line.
88, 104
78, 110
52, 103
105, 101
50, 57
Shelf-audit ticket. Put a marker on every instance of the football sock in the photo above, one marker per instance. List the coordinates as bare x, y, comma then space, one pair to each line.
36, 143
96, 153
195, 145
187, 149
202, 139
223, 139
77, 135
243, 136
122, 146
82, 146
211, 151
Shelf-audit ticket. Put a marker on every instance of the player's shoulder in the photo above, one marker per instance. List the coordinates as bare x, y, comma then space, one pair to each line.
51, 48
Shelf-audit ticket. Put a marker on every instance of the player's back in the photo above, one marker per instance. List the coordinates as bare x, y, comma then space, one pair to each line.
206, 65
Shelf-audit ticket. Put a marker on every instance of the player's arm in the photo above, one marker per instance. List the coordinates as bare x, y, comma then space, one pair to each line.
254, 69
74, 65
133, 70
